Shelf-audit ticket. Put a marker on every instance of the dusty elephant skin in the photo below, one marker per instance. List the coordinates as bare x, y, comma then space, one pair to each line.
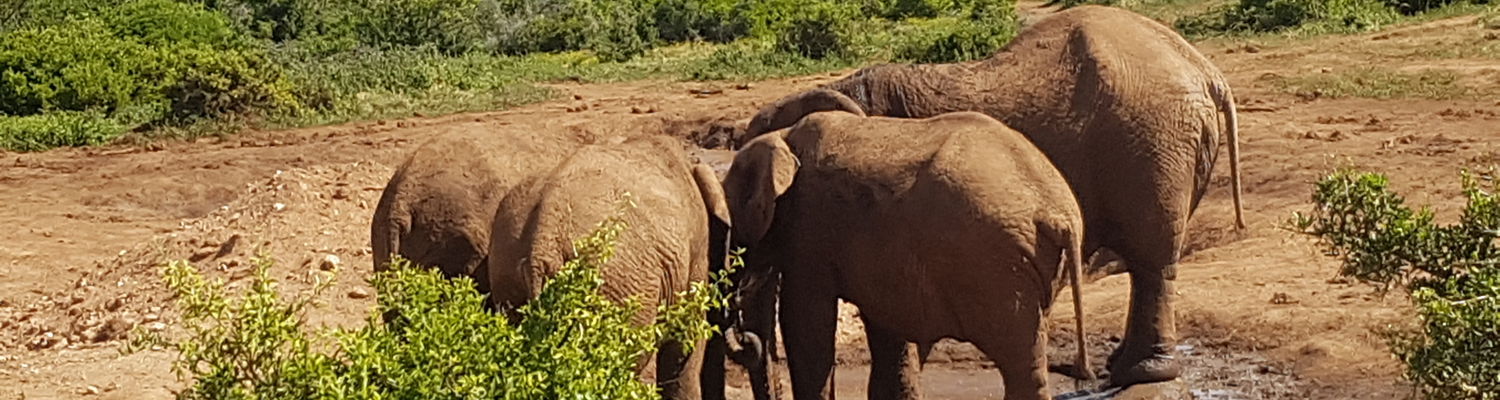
663, 250
948, 227
1125, 108
437, 207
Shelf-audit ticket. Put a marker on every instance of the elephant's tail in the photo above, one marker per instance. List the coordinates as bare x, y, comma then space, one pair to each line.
389, 224
1224, 98
1074, 260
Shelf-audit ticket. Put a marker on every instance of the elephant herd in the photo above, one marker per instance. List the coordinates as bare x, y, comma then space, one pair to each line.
943, 200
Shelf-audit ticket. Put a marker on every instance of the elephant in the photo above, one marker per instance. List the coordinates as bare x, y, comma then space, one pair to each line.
953, 226
1123, 106
437, 207
664, 249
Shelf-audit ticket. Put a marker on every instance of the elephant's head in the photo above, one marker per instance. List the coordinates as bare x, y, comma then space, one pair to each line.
788, 110
762, 171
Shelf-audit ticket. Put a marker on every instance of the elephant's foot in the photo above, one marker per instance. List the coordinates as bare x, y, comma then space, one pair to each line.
1155, 364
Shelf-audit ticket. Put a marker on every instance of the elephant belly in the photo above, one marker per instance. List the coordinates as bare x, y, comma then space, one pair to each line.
925, 305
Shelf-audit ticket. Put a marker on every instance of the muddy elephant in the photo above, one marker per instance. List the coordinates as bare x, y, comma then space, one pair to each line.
663, 250
953, 226
437, 207
1124, 107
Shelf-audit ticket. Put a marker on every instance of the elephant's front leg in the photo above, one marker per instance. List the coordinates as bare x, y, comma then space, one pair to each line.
895, 365
809, 317
1145, 355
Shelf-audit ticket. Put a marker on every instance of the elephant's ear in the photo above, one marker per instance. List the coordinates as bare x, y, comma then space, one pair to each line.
787, 111
712, 192
761, 173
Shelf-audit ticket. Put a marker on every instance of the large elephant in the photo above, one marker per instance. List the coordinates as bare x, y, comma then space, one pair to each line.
437, 208
1124, 107
951, 226
663, 250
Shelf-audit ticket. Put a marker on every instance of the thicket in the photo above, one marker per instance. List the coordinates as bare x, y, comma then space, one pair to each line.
571, 343
1310, 16
1450, 271
161, 65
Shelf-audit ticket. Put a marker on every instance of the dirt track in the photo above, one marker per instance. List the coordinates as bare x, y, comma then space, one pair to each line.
86, 228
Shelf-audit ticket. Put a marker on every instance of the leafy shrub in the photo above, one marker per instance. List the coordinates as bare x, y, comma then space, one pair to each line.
712, 20
1314, 15
44, 13
168, 22
571, 343
216, 83
448, 25
57, 129
76, 66
290, 20
1451, 270
950, 40
821, 30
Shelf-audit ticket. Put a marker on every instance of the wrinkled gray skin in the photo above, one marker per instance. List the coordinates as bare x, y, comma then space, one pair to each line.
663, 250
1130, 113
947, 227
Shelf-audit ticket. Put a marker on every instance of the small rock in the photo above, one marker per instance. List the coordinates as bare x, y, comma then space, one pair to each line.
156, 326
330, 262
340, 194
114, 304
358, 293
278, 206
743, 86
151, 318
116, 327
90, 390
577, 97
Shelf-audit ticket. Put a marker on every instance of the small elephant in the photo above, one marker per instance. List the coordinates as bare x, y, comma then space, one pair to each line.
1123, 106
437, 208
951, 226
663, 250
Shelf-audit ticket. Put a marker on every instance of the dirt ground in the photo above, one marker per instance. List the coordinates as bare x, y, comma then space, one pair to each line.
1260, 311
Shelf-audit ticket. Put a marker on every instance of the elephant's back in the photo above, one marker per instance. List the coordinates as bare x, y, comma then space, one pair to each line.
444, 195
590, 186
1004, 174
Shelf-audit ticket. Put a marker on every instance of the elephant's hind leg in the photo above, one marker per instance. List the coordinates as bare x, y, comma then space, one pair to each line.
895, 370
1021, 354
677, 372
1145, 355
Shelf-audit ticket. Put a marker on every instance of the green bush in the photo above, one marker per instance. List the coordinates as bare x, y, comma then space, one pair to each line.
292, 20
57, 129
1313, 15
571, 343
946, 40
77, 66
711, 20
821, 30
1451, 271
168, 23
448, 25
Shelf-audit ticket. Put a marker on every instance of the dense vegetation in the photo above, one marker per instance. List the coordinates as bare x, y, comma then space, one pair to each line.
84, 72
1312, 16
571, 343
1450, 271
